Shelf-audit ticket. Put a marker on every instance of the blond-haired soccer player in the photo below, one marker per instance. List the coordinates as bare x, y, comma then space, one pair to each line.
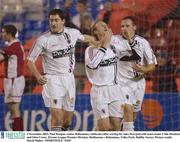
101, 69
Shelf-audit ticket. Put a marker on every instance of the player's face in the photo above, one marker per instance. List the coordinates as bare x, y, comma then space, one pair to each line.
100, 29
56, 23
127, 27
4, 35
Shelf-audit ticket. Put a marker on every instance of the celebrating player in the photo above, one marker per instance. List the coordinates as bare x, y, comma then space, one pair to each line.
131, 73
57, 49
101, 69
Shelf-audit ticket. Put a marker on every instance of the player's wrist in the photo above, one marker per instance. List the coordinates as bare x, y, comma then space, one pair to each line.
103, 49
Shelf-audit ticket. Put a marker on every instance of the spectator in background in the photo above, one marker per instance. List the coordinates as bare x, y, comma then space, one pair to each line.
164, 78
105, 13
82, 8
86, 23
14, 82
68, 22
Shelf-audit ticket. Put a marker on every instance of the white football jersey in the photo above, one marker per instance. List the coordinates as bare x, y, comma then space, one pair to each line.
101, 65
57, 50
143, 49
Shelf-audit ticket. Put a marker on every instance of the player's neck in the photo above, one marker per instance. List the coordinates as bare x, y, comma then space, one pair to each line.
11, 39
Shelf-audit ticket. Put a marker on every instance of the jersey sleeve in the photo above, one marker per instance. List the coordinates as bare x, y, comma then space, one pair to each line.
36, 49
92, 58
79, 35
149, 54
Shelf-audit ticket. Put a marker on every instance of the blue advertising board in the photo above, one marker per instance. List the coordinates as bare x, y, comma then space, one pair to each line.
160, 112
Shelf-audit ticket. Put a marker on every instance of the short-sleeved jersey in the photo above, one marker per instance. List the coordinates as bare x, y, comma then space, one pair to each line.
143, 49
14, 59
101, 65
57, 50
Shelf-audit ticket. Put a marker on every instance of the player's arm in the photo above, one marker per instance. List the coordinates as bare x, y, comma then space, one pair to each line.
144, 68
40, 78
92, 59
150, 59
33, 55
91, 40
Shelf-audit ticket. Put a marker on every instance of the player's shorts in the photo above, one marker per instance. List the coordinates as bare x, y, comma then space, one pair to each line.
139, 95
134, 93
106, 101
13, 89
59, 92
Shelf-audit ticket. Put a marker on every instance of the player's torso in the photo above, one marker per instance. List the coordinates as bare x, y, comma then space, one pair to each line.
59, 51
106, 73
15, 62
125, 68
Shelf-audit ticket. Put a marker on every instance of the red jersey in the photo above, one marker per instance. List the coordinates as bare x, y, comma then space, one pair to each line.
14, 59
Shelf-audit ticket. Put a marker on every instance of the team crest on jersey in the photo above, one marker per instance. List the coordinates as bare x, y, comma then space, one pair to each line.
72, 100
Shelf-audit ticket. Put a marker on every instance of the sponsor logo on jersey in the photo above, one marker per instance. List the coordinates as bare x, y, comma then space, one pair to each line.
63, 53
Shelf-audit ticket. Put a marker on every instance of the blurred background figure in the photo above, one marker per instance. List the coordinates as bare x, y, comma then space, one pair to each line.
164, 78
82, 8
86, 23
105, 13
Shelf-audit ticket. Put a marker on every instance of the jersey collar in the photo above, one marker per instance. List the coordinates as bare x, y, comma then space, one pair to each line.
13, 41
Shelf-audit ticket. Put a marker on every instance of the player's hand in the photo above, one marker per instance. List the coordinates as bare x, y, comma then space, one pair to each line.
42, 80
2, 51
139, 68
128, 36
106, 39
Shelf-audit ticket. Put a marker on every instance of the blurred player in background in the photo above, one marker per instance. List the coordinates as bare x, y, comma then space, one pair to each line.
14, 82
57, 49
101, 69
131, 73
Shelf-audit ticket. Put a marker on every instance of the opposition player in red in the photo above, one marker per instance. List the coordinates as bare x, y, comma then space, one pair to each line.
14, 82
57, 49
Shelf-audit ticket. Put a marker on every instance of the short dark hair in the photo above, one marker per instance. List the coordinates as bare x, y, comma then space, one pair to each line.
59, 12
10, 29
133, 19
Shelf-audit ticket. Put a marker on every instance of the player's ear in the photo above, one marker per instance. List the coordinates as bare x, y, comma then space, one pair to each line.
135, 27
63, 21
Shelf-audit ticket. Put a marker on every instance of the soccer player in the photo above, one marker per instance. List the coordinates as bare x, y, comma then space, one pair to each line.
57, 49
101, 69
131, 73
14, 82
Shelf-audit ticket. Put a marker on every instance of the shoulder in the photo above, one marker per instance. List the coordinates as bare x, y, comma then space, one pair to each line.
71, 30
44, 36
141, 39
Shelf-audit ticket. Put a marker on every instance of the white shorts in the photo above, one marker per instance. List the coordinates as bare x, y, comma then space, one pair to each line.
106, 101
59, 92
13, 89
134, 93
